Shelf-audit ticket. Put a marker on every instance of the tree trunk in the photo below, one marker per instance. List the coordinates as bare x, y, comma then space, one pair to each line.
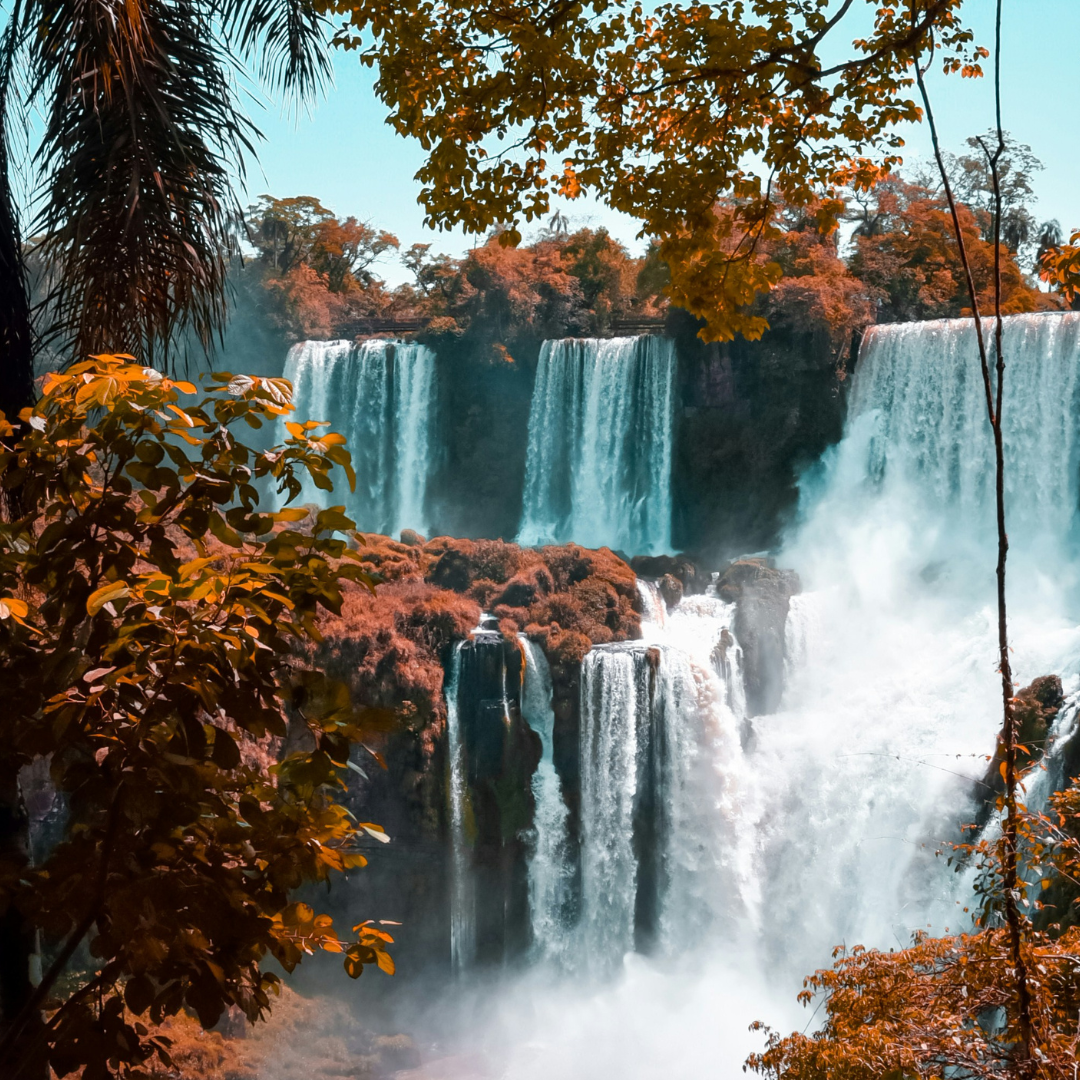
17, 944
16, 330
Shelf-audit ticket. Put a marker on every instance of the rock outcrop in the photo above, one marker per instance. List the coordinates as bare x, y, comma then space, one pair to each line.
1035, 707
393, 650
762, 595
691, 577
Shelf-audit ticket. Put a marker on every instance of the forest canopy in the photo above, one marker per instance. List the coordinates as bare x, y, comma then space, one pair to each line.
900, 263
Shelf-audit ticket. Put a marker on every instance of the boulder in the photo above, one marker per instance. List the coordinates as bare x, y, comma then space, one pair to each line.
671, 589
690, 574
1035, 707
762, 595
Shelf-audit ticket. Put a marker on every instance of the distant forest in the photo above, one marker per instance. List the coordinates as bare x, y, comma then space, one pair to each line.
897, 261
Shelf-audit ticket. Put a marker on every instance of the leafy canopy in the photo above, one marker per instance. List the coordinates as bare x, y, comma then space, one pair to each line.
149, 612
660, 110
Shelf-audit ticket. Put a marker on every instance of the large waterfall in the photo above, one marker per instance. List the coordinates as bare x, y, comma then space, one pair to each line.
598, 466
381, 396
660, 725
723, 859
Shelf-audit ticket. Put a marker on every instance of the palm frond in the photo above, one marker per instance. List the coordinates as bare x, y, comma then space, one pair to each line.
141, 130
16, 337
288, 41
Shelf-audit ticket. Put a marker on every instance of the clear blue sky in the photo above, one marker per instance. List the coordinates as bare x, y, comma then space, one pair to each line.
344, 153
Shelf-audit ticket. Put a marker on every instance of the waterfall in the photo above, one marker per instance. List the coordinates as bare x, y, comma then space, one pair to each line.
613, 706
598, 464
918, 439
660, 786
380, 396
821, 827
894, 703
462, 887
550, 872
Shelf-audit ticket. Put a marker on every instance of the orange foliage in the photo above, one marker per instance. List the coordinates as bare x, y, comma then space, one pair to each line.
943, 1006
817, 291
316, 1037
389, 645
907, 257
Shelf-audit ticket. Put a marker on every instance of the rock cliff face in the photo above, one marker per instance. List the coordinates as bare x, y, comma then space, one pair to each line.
397, 650
393, 651
762, 595
751, 416
483, 422
748, 417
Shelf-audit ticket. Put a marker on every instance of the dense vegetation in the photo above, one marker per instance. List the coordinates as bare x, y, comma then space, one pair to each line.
900, 263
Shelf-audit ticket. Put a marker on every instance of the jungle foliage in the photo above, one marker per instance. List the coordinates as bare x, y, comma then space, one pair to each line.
150, 615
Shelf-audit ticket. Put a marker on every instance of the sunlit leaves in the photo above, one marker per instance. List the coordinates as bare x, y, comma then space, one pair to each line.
660, 110
149, 612
1060, 267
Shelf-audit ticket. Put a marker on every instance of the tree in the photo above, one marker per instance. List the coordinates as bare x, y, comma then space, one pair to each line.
149, 613
284, 230
973, 185
656, 109
300, 231
344, 251
141, 134
907, 256
999, 1002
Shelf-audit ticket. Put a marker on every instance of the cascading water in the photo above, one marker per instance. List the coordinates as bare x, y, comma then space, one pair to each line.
659, 740
550, 873
820, 827
380, 395
598, 465
462, 888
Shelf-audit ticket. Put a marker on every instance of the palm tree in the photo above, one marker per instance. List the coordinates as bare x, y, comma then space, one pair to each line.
142, 133
142, 130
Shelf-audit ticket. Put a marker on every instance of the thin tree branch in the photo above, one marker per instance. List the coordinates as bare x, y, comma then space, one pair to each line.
1010, 879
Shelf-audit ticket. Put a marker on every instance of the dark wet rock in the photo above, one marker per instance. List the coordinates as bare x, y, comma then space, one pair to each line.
411, 538
762, 596
690, 574
671, 589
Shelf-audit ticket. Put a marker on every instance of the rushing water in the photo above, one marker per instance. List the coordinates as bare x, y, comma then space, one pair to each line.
598, 466
462, 893
550, 871
771, 841
660, 729
381, 396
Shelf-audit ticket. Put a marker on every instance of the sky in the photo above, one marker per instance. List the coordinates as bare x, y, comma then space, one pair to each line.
343, 153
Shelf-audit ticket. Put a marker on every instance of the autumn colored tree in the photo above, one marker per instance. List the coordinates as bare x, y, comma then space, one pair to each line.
149, 618
905, 252
659, 110
300, 231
